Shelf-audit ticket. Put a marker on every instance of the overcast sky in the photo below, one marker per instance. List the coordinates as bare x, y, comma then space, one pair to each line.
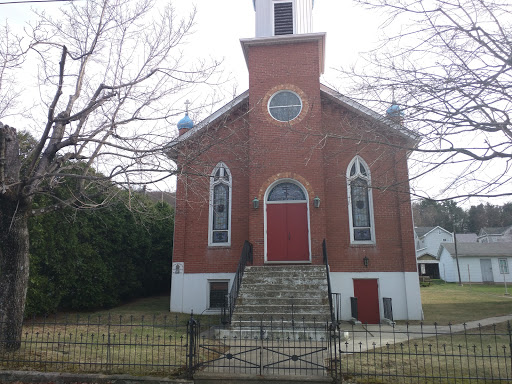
220, 24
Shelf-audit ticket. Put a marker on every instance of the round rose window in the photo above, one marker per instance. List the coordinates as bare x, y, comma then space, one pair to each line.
285, 105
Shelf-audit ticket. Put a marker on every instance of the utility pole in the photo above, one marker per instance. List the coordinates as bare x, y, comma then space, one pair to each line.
456, 253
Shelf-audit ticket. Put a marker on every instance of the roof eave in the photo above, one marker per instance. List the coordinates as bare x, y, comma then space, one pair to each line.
413, 139
287, 39
214, 117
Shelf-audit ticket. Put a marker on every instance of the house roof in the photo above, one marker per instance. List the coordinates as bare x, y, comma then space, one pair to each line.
423, 231
466, 237
360, 109
236, 102
333, 95
493, 230
427, 258
479, 249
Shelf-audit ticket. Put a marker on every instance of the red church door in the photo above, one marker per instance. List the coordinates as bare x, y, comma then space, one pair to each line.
367, 293
287, 224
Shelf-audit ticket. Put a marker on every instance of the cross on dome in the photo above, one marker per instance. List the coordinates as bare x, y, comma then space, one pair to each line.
186, 122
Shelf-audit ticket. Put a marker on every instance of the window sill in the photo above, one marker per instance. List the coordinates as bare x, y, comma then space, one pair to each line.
219, 247
363, 245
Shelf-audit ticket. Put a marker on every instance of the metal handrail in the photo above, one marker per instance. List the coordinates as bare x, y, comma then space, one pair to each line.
229, 304
329, 290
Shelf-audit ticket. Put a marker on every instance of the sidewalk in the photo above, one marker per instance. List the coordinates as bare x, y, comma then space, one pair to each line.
362, 337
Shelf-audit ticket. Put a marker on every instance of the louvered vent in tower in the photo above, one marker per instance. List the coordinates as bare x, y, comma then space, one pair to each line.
283, 19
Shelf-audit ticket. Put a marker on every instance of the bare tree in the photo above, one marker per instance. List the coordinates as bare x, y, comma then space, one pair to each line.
11, 58
448, 66
109, 73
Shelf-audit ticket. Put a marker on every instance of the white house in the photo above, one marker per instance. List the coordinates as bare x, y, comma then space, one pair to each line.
478, 263
467, 238
495, 235
427, 241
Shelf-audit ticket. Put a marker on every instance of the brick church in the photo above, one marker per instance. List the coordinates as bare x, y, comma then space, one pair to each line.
286, 165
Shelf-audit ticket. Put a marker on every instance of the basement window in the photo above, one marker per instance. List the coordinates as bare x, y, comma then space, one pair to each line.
218, 292
283, 18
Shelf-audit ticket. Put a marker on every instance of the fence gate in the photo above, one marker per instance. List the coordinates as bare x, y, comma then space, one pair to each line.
264, 349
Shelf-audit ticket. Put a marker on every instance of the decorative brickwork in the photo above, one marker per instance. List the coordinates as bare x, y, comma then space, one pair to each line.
260, 150
283, 87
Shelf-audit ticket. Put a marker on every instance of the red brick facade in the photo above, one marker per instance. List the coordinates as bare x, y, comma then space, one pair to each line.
315, 149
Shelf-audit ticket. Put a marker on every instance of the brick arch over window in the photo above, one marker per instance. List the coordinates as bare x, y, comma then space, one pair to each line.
219, 223
285, 175
360, 202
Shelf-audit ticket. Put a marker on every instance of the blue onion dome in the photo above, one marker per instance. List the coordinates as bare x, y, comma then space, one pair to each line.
186, 122
394, 110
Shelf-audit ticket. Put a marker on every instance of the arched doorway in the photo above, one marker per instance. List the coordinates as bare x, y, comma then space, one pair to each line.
287, 223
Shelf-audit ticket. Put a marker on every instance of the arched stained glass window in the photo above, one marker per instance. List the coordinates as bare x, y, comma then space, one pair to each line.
360, 202
286, 191
220, 206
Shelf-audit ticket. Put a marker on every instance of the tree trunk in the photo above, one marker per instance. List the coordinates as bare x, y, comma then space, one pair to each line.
14, 242
14, 271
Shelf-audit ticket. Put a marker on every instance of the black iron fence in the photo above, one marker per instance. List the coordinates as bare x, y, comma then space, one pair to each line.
423, 354
266, 347
180, 346
155, 345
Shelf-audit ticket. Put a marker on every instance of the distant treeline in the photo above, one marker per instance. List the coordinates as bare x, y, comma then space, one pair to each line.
97, 258
446, 214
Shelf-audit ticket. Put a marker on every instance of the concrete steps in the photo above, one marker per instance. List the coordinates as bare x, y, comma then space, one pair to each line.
282, 302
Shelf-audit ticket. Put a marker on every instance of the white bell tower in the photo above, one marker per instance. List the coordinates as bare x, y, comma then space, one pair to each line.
283, 17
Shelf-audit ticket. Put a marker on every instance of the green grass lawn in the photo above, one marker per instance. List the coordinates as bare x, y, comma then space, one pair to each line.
140, 337
449, 302
156, 307
472, 357
442, 303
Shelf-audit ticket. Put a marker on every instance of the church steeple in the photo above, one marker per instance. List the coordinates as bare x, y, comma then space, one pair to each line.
283, 17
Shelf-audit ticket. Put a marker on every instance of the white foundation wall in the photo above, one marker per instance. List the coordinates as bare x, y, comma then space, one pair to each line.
402, 287
190, 292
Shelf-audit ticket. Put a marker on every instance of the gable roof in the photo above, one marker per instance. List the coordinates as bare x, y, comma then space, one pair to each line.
427, 256
478, 249
493, 230
331, 94
361, 110
466, 237
423, 231
215, 116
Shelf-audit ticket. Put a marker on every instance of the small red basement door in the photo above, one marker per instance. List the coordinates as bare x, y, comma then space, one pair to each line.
287, 232
367, 293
